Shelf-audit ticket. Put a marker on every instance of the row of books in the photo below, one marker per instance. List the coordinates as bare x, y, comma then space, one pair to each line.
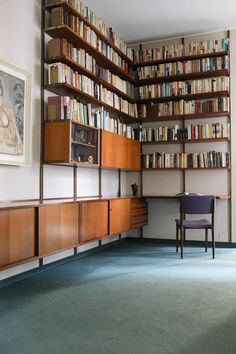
60, 47
220, 104
201, 131
98, 23
185, 67
183, 160
122, 85
62, 73
60, 17
179, 88
63, 107
178, 50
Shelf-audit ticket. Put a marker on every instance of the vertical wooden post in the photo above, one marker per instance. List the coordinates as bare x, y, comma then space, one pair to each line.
41, 168
184, 150
119, 183
75, 175
230, 151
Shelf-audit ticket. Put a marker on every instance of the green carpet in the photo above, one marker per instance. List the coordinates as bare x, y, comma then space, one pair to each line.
134, 298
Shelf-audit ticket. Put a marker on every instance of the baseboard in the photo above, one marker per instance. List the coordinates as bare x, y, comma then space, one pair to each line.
30, 273
171, 242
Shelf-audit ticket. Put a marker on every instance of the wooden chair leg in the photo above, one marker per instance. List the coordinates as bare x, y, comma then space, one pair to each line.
182, 242
206, 239
213, 243
177, 237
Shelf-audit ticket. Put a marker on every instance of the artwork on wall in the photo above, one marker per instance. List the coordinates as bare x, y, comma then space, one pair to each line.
15, 115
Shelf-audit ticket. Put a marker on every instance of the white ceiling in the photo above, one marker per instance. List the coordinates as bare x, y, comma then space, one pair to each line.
138, 20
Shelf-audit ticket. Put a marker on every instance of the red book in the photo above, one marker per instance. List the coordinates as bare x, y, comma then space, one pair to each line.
55, 108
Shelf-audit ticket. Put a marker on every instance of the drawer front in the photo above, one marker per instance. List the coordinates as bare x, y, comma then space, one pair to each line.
139, 213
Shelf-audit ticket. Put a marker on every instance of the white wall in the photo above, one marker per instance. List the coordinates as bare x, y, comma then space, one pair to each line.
20, 45
162, 212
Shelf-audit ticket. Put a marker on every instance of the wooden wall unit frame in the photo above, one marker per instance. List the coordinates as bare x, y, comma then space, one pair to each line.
184, 117
58, 228
18, 237
56, 135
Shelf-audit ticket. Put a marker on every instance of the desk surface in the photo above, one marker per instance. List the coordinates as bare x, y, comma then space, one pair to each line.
174, 196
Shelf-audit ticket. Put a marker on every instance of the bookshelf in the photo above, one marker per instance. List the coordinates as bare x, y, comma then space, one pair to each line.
208, 107
187, 97
183, 77
91, 69
181, 58
67, 7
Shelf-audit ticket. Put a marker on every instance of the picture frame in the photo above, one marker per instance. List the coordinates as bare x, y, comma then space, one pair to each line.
15, 115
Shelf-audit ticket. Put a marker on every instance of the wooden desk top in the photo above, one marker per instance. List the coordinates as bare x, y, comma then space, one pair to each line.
220, 197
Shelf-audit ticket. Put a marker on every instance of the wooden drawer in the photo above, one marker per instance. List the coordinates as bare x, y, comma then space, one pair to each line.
139, 213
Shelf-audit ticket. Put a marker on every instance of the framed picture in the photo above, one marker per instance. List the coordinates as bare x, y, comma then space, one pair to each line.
15, 115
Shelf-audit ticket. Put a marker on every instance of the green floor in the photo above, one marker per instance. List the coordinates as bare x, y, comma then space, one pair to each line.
132, 298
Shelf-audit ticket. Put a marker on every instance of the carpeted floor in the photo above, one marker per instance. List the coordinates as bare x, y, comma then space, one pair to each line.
134, 298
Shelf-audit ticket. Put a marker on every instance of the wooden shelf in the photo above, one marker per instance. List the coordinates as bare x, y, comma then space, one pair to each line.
187, 168
185, 116
220, 197
73, 37
186, 141
182, 58
187, 97
183, 77
85, 125
66, 89
73, 11
74, 65
62, 121
71, 164
83, 144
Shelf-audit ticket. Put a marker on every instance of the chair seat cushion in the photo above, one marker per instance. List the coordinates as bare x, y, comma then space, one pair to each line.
195, 224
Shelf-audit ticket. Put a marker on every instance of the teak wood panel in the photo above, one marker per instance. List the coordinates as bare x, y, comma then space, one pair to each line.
119, 216
94, 220
58, 227
57, 141
139, 213
133, 155
18, 235
119, 152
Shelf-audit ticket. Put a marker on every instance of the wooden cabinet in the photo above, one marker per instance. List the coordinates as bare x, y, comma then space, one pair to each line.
119, 152
58, 228
68, 142
17, 236
94, 220
139, 213
119, 216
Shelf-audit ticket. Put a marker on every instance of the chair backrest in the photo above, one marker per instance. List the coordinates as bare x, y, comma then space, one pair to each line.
198, 204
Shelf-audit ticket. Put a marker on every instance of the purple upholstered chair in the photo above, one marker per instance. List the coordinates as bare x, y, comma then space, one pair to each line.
195, 204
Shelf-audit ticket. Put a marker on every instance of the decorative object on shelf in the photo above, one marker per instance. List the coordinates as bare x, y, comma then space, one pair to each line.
15, 115
90, 159
134, 187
